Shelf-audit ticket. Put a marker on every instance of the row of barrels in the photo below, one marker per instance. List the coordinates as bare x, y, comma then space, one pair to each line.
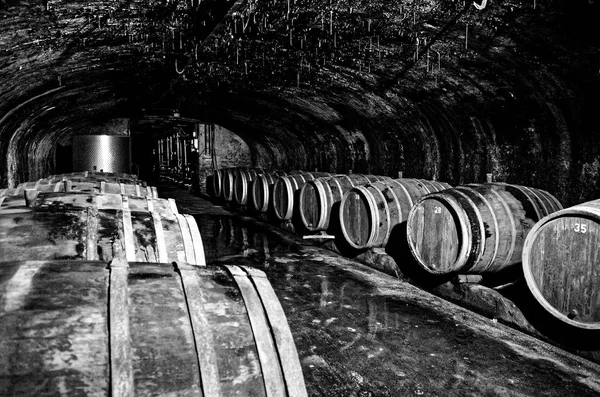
369, 206
108, 293
470, 229
489, 228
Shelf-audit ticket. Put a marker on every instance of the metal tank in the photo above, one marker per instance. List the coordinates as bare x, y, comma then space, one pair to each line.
108, 153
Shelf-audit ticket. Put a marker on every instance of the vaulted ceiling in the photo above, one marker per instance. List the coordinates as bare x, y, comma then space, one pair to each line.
440, 89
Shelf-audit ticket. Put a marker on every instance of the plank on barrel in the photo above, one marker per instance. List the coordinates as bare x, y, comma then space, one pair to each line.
163, 355
233, 340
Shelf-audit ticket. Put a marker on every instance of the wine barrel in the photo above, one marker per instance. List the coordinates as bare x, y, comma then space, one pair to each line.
228, 183
560, 263
85, 328
261, 190
166, 207
67, 185
318, 196
369, 213
82, 230
475, 229
93, 175
284, 190
241, 184
218, 182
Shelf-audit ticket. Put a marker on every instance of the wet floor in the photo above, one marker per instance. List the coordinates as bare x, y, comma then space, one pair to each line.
362, 333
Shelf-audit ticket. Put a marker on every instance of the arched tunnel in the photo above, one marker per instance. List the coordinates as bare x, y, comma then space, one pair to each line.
439, 90
443, 90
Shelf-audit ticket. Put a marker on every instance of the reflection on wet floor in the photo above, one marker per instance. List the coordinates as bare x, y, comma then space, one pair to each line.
355, 339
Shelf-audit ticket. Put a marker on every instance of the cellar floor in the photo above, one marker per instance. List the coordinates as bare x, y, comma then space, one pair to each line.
360, 332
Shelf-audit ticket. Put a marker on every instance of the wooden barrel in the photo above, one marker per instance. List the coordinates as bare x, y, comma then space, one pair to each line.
92, 175
93, 228
261, 190
166, 207
85, 328
318, 196
475, 228
228, 183
284, 190
218, 182
241, 184
369, 213
68, 185
560, 263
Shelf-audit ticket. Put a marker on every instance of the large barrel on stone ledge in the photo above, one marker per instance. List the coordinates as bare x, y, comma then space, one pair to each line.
369, 213
139, 329
475, 229
93, 175
318, 197
92, 227
561, 259
261, 190
134, 188
242, 183
284, 190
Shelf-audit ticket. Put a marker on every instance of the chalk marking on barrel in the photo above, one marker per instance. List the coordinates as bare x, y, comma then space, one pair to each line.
128, 230
91, 243
121, 368
203, 338
265, 345
286, 348
18, 287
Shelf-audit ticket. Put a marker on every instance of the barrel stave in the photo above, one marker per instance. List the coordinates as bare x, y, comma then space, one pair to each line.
241, 373
53, 333
163, 354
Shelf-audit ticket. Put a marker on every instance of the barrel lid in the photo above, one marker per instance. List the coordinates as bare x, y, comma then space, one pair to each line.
438, 233
561, 264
